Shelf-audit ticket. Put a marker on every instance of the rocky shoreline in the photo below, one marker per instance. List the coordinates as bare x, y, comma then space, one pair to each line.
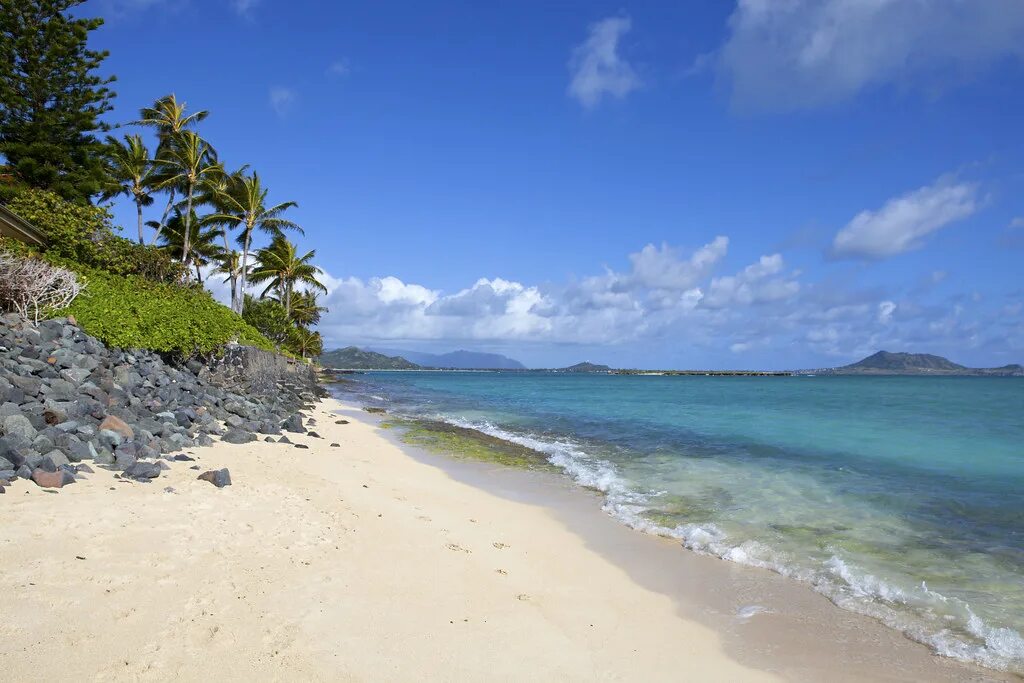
66, 400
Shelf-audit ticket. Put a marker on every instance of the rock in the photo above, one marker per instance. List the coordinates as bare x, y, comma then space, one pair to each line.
219, 478
238, 436
53, 416
302, 445
294, 424
341, 422
84, 468
52, 480
44, 463
142, 471
6, 464
315, 435
181, 457
8, 475
18, 425
57, 458
24, 472
284, 439
335, 445
109, 438
116, 424
122, 461
104, 458
374, 410
269, 439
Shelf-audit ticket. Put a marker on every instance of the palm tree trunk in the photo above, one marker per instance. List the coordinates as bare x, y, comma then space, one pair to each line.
163, 219
246, 241
199, 273
232, 272
288, 300
138, 207
186, 239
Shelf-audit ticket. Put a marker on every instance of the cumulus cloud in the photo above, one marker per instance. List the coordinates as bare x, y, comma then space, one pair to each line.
596, 67
282, 100
758, 283
903, 223
790, 54
885, 311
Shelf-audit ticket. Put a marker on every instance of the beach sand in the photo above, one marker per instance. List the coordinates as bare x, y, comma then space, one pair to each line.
358, 562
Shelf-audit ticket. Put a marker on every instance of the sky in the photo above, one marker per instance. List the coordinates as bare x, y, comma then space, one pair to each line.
702, 184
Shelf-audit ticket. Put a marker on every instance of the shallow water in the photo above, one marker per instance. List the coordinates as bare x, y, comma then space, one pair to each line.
898, 497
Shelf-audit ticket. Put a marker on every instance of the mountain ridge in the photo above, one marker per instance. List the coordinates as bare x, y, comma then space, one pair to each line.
903, 363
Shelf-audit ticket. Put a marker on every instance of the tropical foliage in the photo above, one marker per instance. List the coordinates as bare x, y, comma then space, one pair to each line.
214, 223
52, 99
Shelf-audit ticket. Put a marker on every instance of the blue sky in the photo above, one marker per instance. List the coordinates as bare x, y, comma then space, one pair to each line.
768, 183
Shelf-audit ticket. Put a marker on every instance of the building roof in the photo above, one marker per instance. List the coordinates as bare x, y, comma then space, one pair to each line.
13, 225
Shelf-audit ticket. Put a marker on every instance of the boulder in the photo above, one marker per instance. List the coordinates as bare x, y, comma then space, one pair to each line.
52, 480
116, 424
294, 424
238, 436
18, 425
142, 471
219, 478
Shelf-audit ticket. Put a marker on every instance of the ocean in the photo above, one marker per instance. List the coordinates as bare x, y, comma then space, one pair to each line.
897, 497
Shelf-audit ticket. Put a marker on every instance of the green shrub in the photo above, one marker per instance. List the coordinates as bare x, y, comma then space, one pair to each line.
269, 317
85, 235
134, 313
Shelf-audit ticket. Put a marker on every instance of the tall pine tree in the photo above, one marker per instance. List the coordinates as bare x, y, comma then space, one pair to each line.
51, 98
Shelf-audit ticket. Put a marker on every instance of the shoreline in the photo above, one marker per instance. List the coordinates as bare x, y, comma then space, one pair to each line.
371, 561
766, 620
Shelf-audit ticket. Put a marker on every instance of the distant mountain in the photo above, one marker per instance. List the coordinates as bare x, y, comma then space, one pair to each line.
886, 363
585, 367
352, 358
458, 360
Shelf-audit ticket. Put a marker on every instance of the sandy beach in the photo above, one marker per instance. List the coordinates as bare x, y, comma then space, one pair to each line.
362, 562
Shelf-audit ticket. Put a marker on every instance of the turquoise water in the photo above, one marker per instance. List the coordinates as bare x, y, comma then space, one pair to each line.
897, 497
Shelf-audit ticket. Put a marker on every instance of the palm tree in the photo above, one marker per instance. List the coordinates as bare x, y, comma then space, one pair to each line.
305, 342
203, 243
191, 162
245, 205
132, 173
167, 115
282, 268
229, 264
304, 309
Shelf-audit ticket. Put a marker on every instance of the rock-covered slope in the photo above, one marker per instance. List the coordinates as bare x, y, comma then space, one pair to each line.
66, 398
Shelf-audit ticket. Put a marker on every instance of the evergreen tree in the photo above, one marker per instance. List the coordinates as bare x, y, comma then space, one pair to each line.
51, 98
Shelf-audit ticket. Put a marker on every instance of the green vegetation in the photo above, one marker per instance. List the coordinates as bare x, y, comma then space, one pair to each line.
460, 442
133, 312
138, 295
51, 99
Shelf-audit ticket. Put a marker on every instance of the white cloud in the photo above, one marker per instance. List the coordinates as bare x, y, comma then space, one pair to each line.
904, 222
244, 7
1017, 222
789, 54
282, 100
755, 284
339, 68
662, 268
597, 68
885, 311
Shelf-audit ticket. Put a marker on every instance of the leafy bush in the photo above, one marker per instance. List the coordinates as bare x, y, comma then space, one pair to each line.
269, 317
132, 312
85, 235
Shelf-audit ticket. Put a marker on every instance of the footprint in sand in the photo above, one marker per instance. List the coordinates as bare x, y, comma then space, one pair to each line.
523, 597
500, 546
456, 547
501, 571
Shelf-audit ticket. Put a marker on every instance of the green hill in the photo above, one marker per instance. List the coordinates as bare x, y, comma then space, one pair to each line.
352, 358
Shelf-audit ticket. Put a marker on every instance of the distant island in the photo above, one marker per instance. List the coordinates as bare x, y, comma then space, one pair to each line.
455, 360
353, 358
880, 363
585, 367
887, 363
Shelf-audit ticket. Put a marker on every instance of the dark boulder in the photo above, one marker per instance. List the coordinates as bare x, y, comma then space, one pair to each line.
219, 478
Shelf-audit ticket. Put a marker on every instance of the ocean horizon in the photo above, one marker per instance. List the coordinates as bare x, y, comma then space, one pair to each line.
901, 498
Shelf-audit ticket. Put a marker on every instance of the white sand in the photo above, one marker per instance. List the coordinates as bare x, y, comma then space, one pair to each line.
350, 563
